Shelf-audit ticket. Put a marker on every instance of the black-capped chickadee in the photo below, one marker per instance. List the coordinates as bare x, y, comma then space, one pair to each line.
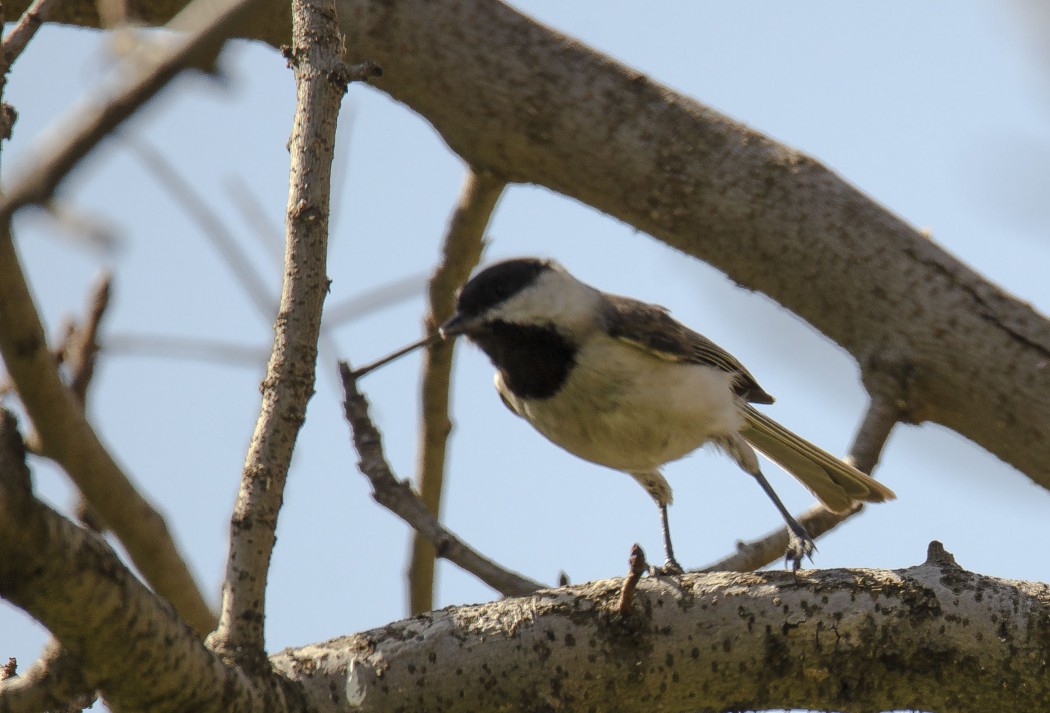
621, 383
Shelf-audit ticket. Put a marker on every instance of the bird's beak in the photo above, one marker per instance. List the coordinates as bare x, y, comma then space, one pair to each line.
454, 327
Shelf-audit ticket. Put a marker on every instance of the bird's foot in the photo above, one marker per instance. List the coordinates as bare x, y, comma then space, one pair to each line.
669, 568
800, 546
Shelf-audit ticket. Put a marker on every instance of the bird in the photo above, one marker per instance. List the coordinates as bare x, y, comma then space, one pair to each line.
619, 382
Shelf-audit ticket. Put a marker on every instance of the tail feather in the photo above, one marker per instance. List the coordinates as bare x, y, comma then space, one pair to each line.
837, 484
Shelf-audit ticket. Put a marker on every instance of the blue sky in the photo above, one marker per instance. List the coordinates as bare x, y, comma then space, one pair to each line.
938, 111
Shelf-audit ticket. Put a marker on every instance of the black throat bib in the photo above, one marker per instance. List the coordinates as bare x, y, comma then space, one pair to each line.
534, 360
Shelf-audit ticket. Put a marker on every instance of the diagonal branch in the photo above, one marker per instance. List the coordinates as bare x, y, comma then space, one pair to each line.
212, 227
18, 38
68, 438
397, 496
521, 99
460, 254
65, 434
127, 641
206, 26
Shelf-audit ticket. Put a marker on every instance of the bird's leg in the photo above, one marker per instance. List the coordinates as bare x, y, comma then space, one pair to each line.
800, 544
671, 565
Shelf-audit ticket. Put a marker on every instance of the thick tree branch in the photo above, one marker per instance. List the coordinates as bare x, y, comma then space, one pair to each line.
67, 437
464, 242
398, 497
321, 81
931, 637
536, 106
53, 683
130, 643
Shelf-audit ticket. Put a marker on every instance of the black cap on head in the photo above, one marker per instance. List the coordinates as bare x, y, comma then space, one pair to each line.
499, 282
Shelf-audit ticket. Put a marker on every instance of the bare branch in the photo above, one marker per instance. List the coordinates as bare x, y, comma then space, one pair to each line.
206, 25
321, 81
82, 350
168, 347
211, 225
55, 682
129, 642
68, 438
527, 102
267, 234
460, 255
845, 639
386, 294
18, 38
398, 497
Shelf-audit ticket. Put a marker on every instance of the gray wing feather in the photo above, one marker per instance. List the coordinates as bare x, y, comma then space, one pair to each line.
651, 328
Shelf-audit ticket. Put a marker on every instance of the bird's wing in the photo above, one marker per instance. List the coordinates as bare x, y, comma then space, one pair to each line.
651, 328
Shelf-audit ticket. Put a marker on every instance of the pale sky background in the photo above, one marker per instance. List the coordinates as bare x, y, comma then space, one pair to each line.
938, 111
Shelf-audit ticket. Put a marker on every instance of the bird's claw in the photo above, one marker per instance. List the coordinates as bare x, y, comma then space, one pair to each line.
800, 546
669, 568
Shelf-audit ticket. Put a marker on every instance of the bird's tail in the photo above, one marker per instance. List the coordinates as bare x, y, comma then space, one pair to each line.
836, 483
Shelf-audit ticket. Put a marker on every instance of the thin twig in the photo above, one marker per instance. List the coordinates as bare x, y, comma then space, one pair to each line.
321, 81
883, 412
398, 497
384, 295
82, 350
638, 567
18, 38
205, 24
211, 225
80, 354
192, 348
267, 234
13, 45
464, 242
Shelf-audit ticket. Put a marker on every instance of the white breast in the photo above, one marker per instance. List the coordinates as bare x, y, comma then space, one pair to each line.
626, 409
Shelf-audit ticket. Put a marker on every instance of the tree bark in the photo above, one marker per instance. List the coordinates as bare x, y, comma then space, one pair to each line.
534, 106
931, 637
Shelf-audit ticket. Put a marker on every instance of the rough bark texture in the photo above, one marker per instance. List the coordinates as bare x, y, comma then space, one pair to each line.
527, 103
932, 637
128, 641
321, 81
520, 99
530, 105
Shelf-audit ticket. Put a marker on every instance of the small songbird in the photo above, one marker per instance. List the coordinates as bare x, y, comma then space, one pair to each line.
619, 382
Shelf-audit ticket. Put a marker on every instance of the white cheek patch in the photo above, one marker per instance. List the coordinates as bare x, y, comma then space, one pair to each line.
555, 298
